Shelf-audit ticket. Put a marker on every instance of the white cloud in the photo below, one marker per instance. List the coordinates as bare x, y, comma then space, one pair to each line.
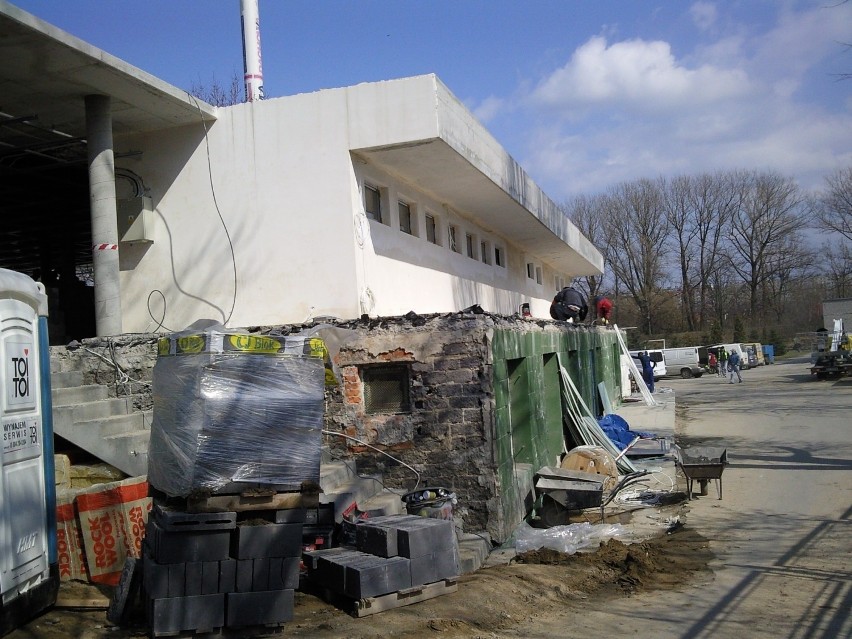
703, 14
635, 74
634, 109
488, 109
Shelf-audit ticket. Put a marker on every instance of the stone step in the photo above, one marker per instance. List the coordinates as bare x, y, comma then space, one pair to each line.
353, 492
336, 473
474, 549
385, 503
79, 394
130, 451
126, 451
71, 413
66, 379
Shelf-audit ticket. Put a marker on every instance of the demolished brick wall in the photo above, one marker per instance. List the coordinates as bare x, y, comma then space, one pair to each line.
452, 432
445, 435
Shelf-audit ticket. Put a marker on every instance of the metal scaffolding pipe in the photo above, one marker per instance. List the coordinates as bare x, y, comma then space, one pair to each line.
103, 215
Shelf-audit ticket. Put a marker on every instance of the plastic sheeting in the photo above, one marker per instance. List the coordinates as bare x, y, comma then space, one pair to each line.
233, 410
618, 430
569, 539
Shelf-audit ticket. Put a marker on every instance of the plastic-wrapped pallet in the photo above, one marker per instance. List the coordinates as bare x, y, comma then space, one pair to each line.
235, 411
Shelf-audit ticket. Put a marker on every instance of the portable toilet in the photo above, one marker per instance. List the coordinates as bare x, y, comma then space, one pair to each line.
29, 569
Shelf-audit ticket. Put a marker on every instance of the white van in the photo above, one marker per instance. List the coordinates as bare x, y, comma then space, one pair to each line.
683, 361
656, 357
731, 348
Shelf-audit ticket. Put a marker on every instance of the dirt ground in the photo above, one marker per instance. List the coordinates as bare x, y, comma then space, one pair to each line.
488, 602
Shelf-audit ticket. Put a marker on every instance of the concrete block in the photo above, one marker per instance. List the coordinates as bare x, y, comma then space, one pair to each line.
356, 574
192, 579
185, 547
176, 521
415, 536
177, 579
376, 539
245, 575
284, 573
423, 570
209, 577
260, 575
228, 576
155, 578
259, 608
377, 576
179, 614
267, 540
292, 516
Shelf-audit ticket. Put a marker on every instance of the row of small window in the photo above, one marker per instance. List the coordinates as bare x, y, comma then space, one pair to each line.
534, 273
473, 248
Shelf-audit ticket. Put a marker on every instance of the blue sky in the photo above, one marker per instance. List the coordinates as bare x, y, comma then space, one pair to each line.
584, 94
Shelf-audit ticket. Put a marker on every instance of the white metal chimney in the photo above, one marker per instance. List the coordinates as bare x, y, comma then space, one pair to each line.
252, 61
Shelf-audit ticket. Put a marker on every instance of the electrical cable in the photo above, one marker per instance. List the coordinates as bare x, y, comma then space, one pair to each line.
151, 314
121, 376
216, 204
378, 450
160, 323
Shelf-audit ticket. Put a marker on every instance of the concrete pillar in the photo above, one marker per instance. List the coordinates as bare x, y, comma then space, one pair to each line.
103, 214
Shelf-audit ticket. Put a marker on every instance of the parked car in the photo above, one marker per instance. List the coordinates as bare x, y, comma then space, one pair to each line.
683, 361
656, 357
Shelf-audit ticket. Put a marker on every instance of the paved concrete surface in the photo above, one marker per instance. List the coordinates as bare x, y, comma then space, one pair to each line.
781, 533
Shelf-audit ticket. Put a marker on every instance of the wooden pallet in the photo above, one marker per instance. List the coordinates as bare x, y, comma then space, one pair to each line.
373, 605
245, 501
248, 502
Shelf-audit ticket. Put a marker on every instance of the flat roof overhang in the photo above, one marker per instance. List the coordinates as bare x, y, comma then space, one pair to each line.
537, 227
45, 73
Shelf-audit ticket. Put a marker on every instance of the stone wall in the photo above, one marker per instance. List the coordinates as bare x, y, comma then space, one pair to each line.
445, 433
123, 363
480, 410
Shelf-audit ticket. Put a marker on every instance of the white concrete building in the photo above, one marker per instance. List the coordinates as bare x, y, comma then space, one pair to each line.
380, 198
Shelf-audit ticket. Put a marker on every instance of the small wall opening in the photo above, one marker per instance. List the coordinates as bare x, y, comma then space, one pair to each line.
387, 389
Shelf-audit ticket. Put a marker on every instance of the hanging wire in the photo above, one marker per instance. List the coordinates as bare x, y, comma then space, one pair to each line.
378, 450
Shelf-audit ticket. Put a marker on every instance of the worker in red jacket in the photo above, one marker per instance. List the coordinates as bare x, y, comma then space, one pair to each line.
604, 309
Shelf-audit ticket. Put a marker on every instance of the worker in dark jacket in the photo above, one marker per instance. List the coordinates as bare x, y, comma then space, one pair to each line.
569, 305
647, 369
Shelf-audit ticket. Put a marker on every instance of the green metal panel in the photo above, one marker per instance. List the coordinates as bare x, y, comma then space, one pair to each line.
520, 411
528, 408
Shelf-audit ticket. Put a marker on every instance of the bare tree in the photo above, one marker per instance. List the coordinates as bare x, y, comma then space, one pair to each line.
771, 210
585, 212
833, 208
219, 95
837, 267
789, 262
677, 204
636, 228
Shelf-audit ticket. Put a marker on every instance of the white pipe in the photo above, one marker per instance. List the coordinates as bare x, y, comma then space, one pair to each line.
103, 215
252, 60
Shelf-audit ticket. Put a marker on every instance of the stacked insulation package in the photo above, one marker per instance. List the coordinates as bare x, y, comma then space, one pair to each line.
233, 411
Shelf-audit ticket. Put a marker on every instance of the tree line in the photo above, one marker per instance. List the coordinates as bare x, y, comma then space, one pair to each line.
740, 255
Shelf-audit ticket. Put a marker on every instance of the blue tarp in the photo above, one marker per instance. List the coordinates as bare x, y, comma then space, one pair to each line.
617, 429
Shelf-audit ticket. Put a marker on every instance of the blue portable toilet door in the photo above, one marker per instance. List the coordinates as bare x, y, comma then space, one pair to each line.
23, 535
